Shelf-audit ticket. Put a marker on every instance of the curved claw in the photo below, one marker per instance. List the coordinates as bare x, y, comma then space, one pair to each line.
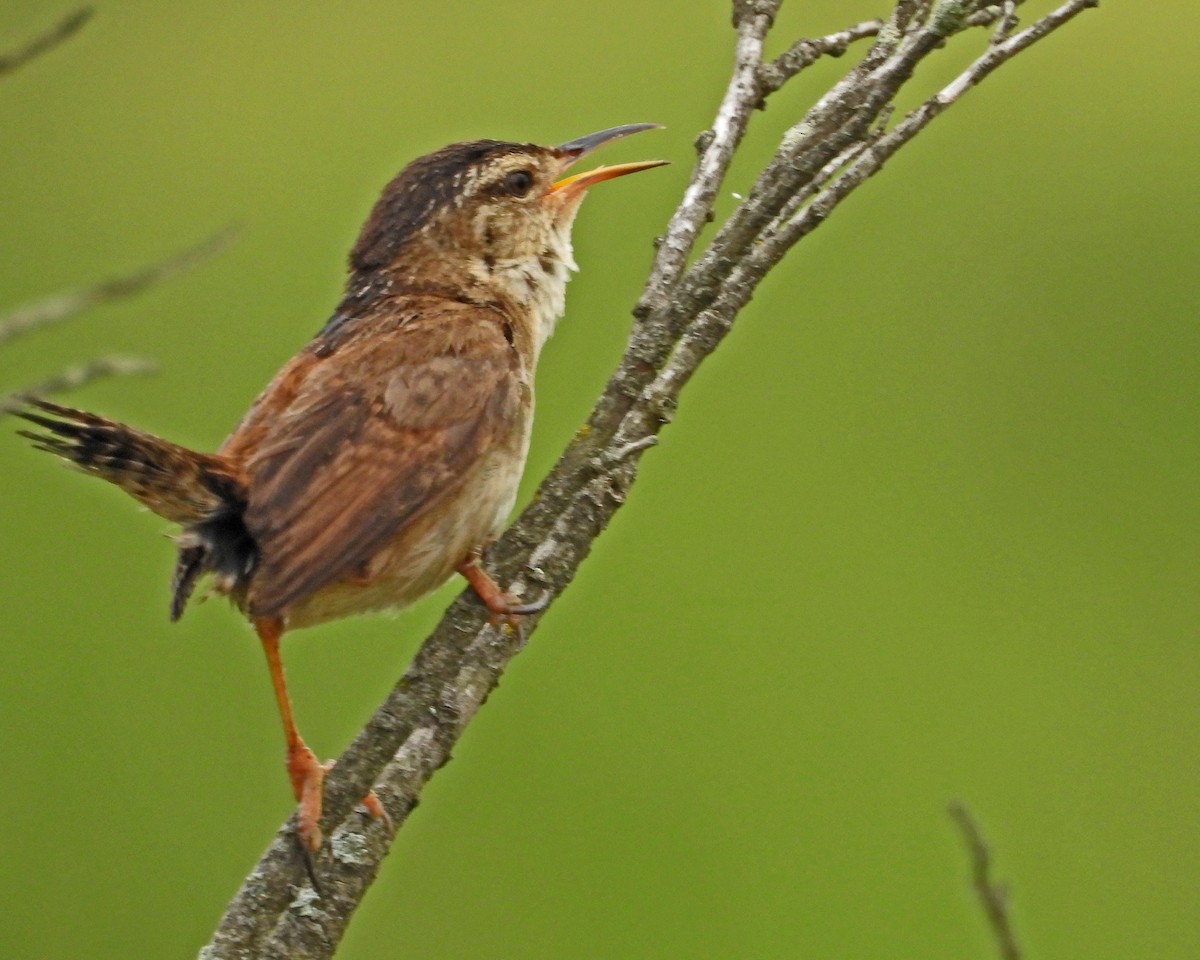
501, 605
521, 609
308, 781
374, 806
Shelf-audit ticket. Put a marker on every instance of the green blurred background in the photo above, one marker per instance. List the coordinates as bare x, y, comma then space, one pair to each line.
925, 528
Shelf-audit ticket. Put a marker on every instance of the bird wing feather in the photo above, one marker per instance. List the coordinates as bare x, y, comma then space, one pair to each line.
343, 452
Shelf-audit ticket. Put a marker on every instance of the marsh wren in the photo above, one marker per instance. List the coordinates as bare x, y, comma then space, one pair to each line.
385, 455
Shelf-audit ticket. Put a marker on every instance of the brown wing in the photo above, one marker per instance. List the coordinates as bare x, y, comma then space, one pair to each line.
362, 442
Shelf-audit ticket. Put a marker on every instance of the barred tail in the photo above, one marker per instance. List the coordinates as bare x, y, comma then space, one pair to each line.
179, 484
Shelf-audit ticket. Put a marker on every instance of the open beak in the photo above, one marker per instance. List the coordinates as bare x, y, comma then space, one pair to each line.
572, 150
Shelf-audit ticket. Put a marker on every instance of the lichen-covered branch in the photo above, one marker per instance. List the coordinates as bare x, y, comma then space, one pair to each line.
805, 52
67, 27
682, 315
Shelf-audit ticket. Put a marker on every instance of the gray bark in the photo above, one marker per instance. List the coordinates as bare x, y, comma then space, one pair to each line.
682, 315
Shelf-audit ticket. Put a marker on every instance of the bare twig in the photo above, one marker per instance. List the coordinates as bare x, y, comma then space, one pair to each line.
63, 305
993, 896
716, 147
805, 52
76, 376
66, 28
795, 221
1006, 23
683, 314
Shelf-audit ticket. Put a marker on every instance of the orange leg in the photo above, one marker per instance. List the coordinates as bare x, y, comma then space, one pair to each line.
502, 606
304, 770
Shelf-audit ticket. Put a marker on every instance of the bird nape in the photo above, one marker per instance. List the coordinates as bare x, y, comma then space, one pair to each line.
386, 455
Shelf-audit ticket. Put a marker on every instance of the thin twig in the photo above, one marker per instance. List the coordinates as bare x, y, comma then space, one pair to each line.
682, 316
843, 116
68, 27
1006, 23
60, 306
76, 376
792, 224
996, 11
716, 147
805, 52
993, 896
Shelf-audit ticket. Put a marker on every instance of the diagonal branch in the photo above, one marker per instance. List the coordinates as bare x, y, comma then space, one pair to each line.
715, 147
66, 28
804, 52
73, 377
993, 896
682, 316
66, 305
62, 306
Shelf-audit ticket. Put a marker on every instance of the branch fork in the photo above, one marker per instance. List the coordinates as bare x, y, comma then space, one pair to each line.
687, 307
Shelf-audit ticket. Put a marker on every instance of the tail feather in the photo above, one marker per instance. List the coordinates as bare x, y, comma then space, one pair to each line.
179, 484
203, 493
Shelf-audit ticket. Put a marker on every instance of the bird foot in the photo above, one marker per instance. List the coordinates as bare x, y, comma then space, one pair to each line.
503, 607
307, 774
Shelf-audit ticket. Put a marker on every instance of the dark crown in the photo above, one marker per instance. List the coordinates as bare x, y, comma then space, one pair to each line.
426, 185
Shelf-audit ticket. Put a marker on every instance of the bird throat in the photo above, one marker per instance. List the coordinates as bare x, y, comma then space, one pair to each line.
534, 283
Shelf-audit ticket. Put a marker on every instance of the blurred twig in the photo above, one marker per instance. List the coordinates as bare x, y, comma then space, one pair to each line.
73, 377
65, 305
682, 315
66, 28
60, 306
993, 896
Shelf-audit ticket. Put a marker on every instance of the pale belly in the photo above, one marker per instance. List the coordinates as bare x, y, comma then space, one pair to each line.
425, 554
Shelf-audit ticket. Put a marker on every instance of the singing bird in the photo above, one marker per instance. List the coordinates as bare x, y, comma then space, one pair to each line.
385, 455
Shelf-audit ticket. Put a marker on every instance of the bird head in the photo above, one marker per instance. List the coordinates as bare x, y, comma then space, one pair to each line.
485, 214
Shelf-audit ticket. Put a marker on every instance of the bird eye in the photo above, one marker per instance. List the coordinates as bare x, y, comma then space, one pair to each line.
518, 183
